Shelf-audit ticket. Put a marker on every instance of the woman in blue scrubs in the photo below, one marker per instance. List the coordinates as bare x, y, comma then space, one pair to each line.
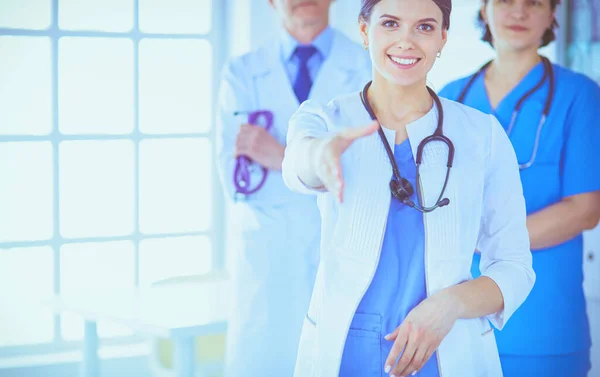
549, 334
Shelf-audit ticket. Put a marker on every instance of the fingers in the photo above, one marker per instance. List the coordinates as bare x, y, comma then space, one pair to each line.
412, 344
245, 129
358, 132
336, 174
329, 167
243, 146
426, 357
331, 174
393, 335
245, 143
417, 361
333, 157
399, 344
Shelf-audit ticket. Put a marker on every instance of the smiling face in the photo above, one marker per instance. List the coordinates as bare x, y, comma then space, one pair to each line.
404, 37
299, 13
517, 24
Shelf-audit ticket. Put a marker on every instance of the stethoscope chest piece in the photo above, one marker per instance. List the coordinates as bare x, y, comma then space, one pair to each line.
402, 189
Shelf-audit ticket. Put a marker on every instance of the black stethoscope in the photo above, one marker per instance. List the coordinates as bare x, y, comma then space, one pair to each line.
400, 187
548, 75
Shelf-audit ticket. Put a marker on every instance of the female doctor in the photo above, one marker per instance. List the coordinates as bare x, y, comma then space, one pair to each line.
403, 202
550, 114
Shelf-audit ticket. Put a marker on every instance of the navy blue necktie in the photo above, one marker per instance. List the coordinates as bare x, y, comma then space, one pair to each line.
303, 82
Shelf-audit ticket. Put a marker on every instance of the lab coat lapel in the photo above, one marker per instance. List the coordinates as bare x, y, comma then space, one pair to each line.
442, 223
335, 76
274, 91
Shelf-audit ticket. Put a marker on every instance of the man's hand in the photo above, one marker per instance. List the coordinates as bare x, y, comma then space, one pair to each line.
259, 145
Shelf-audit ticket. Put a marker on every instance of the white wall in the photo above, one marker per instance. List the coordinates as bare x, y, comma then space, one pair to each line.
253, 23
344, 17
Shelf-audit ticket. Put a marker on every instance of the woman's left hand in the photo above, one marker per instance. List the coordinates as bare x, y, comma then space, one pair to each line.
421, 333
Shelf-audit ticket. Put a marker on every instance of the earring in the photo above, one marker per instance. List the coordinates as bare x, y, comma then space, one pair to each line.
439, 54
365, 46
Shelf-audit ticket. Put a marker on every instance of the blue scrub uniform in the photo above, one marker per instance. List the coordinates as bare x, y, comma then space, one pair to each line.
397, 287
551, 328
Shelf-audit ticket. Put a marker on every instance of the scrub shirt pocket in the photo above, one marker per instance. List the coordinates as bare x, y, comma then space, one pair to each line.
362, 352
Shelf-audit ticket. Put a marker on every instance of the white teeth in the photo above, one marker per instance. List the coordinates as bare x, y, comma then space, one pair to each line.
403, 61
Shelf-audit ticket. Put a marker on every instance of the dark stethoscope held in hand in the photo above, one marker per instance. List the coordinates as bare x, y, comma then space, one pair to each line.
243, 165
400, 187
548, 75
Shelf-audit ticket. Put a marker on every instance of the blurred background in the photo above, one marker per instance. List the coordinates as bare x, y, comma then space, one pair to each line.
107, 176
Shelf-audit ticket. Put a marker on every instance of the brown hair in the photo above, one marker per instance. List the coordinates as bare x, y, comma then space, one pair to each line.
445, 6
548, 36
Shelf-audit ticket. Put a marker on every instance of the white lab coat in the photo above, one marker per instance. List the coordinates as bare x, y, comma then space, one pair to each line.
486, 210
277, 255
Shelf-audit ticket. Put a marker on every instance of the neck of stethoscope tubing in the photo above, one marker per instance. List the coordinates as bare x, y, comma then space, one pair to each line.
513, 120
536, 144
420, 206
390, 153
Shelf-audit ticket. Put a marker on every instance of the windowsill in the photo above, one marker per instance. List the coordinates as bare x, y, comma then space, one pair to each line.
69, 357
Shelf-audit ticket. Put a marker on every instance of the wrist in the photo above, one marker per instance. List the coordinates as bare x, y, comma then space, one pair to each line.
454, 302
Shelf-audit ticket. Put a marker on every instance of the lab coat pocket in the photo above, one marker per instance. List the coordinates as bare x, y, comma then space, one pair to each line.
362, 352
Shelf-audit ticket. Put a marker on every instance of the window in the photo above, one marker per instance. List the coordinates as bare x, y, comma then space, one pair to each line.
106, 154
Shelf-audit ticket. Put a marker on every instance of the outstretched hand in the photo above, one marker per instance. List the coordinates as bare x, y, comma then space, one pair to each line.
328, 157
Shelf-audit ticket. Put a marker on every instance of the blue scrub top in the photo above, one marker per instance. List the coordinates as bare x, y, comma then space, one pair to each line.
553, 318
397, 287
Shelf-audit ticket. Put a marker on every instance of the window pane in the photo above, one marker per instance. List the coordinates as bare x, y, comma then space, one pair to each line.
26, 278
175, 185
175, 86
96, 86
96, 188
91, 267
26, 191
175, 16
169, 257
26, 86
103, 15
25, 14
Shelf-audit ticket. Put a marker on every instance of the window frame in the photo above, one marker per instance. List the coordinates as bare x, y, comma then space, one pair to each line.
215, 37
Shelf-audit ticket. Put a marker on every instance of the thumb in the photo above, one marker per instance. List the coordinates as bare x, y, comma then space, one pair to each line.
358, 132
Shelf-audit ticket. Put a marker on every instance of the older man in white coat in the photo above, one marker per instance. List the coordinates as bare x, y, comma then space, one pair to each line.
275, 264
